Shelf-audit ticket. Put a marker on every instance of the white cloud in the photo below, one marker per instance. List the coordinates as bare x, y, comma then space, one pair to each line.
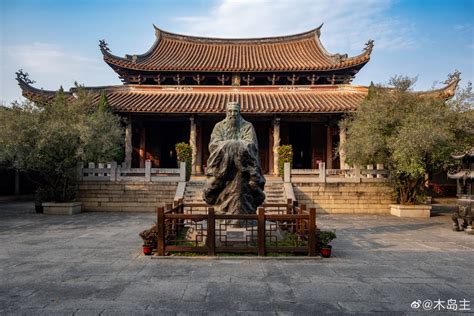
50, 66
50, 59
348, 24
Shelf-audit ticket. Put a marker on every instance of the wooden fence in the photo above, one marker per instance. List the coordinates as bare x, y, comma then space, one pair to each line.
261, 233
323, 175
113, 172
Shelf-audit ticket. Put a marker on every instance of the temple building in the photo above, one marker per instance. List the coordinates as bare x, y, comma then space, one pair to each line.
290, 88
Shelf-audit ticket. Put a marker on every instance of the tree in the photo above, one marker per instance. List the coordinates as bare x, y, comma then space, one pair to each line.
49, 140
410, 133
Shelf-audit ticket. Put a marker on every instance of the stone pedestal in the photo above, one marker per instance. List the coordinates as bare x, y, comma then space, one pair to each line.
70, 208
410, 210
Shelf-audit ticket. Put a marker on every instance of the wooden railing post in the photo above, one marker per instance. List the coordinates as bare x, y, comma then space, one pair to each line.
299, 221
312, 232
261, 231
289, 206
160, 231
211, 233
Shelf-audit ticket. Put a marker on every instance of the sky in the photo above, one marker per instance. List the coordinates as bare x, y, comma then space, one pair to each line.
56, 41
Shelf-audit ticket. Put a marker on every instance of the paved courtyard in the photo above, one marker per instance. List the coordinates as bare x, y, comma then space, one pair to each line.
91, 263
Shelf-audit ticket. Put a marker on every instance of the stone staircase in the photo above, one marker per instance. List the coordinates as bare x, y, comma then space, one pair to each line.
274, 190
193, 191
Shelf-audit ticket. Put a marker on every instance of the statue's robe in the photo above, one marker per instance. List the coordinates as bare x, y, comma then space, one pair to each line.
235, 181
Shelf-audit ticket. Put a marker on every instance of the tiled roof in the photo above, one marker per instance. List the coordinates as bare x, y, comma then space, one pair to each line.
212, 99
252, 100
174, 52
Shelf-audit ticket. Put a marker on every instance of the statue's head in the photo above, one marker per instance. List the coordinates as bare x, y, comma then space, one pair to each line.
233, 110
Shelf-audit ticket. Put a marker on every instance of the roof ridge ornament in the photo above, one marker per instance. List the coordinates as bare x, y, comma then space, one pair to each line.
369, 46
104, 47
452, 77
23, 77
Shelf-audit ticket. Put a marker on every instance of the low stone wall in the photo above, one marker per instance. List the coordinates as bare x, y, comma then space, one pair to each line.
349, 198
127, 196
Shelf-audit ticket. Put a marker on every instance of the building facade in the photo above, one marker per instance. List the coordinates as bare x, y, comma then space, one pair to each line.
290, 88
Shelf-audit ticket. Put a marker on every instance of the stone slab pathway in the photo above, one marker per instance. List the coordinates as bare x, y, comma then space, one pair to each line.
91, 264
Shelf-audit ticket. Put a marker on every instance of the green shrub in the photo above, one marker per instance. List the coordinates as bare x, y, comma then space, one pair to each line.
50, 139
184, 153
285, 154
325, 237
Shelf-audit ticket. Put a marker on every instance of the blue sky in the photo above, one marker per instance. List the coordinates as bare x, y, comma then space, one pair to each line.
56, 42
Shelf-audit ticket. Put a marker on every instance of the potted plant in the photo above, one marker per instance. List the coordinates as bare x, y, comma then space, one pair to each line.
147, 247
412, 134
149, 237
325, 238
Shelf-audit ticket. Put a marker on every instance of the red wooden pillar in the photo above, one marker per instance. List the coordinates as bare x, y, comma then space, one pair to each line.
261, 231
160, 231
211, 233
312, 233
329, 147
142, 151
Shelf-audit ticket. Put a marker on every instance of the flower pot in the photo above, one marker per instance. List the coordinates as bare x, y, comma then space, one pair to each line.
326, 251
147, 250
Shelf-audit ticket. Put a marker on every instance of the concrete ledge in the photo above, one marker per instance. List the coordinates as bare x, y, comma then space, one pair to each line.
70, 208
410, 210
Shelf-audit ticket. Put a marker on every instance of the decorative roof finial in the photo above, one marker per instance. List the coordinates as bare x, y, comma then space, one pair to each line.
455, 76
104, 46
369, 46
23, 77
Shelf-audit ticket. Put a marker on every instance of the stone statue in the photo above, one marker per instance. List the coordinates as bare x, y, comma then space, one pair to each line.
234, 178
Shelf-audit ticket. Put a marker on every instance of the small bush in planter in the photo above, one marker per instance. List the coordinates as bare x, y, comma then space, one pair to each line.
184, 153
324, 239
285, 154
149, 237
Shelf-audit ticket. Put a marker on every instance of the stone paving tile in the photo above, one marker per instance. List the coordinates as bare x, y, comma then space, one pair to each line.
91, 264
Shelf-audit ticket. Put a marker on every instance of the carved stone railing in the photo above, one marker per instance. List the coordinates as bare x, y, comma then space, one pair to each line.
323, 175
121, 173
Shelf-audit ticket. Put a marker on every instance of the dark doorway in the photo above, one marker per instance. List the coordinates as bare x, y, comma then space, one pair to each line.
161, 140
300, 139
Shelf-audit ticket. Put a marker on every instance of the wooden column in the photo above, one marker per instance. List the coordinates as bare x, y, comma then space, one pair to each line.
276, 144
193, 143
342, 152
329, 147
128, 143
142, 151
199, 148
